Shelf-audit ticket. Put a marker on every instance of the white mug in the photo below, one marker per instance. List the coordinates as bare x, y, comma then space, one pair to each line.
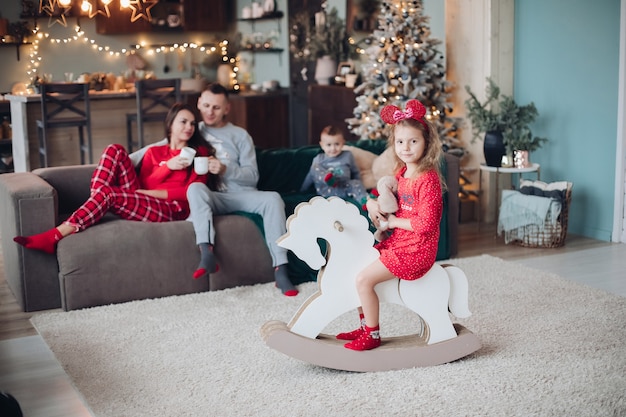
201, 165
351, 80
187, 153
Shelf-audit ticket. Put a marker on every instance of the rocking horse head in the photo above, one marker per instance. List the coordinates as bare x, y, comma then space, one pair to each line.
333, 220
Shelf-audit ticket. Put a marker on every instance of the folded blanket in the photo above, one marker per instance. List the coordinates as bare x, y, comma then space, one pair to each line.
556, 190
519, 210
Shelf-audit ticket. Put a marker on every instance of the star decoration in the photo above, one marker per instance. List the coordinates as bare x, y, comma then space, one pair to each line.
141, 9
101, 7
55, 10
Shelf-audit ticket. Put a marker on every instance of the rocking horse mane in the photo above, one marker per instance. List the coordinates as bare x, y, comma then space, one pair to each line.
342, 211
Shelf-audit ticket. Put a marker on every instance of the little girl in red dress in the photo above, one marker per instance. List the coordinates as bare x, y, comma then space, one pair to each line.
411, 249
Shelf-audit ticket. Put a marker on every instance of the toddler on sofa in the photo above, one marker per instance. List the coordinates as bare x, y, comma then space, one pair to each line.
334, 172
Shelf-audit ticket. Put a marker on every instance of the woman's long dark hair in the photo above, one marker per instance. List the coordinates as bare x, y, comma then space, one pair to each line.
196, 141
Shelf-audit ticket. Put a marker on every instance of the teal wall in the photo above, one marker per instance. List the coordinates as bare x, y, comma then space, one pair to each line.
566, 61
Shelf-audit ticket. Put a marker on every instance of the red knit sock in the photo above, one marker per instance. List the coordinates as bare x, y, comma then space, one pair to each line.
46, 241
354, 334
370, 339
200, 272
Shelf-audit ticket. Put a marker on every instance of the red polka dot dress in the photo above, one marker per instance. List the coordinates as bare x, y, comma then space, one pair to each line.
410, 254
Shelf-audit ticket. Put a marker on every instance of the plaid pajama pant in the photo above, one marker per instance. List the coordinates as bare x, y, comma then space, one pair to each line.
113, 188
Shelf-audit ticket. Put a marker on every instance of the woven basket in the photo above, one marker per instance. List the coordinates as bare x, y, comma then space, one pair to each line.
548, 236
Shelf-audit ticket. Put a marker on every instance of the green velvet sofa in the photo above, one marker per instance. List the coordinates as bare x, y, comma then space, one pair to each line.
118, 261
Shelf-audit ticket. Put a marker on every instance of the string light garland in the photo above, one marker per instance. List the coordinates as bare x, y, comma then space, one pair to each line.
35, 60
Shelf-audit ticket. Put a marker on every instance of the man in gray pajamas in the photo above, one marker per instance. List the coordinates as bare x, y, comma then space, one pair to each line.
236, 162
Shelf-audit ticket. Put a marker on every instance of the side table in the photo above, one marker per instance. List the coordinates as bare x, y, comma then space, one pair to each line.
536, 168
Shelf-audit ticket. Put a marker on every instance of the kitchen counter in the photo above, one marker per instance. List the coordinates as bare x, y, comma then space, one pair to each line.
265, 115
108, 125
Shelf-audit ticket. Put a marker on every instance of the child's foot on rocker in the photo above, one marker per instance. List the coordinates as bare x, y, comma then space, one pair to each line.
283, 282
354, 334
369, 339
208, 264
45, 242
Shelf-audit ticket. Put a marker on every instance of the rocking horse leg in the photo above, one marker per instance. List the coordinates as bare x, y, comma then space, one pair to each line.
459, 292
428, 297
316, 313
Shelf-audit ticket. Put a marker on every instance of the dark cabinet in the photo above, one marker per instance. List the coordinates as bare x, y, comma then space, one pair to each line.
330, 105
264, 115
208, 15
120, 22
167, 16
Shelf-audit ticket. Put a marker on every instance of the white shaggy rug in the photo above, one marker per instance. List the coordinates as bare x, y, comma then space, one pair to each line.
550, 348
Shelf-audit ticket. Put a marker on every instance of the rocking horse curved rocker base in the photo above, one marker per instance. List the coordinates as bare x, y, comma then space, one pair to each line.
443, 290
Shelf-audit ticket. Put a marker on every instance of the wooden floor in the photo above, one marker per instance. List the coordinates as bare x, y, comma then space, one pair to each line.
29, 371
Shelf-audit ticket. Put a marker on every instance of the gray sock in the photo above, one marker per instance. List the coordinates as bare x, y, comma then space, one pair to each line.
282, 280
207, 259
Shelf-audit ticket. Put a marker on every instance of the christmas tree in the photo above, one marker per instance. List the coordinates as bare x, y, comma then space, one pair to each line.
403, 63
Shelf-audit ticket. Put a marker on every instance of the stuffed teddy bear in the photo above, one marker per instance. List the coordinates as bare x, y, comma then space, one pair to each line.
387, 187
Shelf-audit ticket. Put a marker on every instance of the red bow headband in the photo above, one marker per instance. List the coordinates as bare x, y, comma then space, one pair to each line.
413, 110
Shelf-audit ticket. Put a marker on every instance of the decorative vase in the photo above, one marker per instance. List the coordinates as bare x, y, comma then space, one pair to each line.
521, 159
325, 69
494, 148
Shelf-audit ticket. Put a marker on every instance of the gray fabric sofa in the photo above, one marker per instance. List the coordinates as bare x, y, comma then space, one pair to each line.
115, 260
118, 261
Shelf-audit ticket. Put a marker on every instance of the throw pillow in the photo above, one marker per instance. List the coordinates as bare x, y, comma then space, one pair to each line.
383, 164
364, 160
556, 190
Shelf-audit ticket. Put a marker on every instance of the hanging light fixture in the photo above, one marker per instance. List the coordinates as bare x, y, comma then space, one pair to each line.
57, 10
141, 9
100, 7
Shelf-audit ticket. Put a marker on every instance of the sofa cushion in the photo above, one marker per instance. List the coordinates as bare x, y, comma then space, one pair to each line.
95, 265
71, 184
283, 170
383, 164
364, 160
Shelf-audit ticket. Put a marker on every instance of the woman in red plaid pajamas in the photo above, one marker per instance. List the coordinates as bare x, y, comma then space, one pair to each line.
157, 194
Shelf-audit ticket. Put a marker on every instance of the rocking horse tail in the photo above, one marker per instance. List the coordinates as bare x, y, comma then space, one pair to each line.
459, 292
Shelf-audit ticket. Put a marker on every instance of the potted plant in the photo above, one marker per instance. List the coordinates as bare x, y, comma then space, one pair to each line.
321, 39
505, 124
19, 31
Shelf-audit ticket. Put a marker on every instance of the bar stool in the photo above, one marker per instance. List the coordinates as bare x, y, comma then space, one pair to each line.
154, 99
65, 105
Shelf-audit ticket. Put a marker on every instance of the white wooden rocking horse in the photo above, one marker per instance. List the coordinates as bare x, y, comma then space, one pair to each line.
350, 248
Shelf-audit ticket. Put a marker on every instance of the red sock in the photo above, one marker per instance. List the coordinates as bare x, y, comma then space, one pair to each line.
46, 241
201, 271
354, 334
370, 339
